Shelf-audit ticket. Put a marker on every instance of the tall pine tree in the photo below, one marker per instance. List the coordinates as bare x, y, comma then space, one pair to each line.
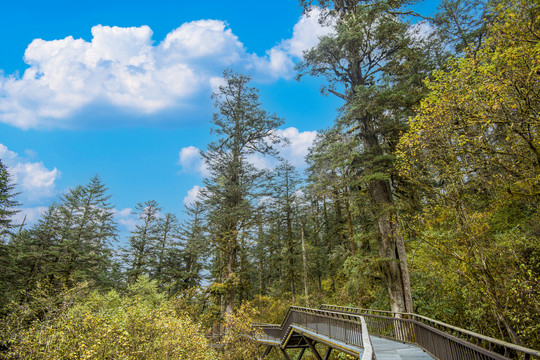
243, 128
376, 66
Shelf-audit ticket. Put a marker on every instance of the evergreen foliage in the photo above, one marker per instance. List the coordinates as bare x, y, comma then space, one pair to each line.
243, 128
8, 204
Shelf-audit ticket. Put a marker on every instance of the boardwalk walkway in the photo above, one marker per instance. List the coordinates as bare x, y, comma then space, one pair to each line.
394, 350
371, 334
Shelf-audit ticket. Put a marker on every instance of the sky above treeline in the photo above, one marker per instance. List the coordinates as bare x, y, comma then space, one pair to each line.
122, 89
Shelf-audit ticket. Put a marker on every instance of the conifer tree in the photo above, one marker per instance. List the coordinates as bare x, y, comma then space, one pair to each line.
194, 246
140, 253
376, 66
7, 201
243, 128
7, 210
285, 180
167, 232
70, 243
87, 228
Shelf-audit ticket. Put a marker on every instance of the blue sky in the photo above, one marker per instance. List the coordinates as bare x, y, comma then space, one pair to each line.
122, 89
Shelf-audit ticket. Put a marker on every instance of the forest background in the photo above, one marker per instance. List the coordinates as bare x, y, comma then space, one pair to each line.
422, 197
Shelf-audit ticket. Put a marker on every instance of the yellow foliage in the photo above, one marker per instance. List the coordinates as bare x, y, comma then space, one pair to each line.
482, 114
474, 150
141, 326
238, 339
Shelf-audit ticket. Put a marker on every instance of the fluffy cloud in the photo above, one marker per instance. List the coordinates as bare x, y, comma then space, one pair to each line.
122, 70
298, 145
202, 39
29, 215
307, 32
126, 218
7, 155
278, 62
294, 149
33, 179
191, 161
192, 195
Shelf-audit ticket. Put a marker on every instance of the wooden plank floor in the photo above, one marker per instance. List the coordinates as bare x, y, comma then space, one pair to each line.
385, 349
394, 350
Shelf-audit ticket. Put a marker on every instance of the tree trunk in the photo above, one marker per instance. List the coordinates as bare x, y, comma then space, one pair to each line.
350, 228
304, 261
230, 280
392, 245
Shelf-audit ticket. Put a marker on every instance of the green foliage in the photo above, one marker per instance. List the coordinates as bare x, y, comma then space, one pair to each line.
143, 243
473, 151
7, 203
138, 325
242, 128
70, 244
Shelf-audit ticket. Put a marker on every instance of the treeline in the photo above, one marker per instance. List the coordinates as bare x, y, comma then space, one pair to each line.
76, 240
422, 197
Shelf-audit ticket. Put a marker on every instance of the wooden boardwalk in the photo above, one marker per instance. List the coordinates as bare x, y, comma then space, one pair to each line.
384, 349
394, 350
381, 335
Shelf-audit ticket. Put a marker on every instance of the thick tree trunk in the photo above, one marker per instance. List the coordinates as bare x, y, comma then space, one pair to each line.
392, 245
395, 268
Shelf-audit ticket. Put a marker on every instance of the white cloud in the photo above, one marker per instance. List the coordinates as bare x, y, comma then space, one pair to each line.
260, 162
191, 161
307, 32
203, 38
294, 150
278, 62
29, 215
126, 218
421, 30
33, 179
6, 155
298, 145
123, 70
189, 156
192, 195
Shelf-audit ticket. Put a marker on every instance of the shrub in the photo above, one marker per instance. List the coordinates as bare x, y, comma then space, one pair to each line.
142, 325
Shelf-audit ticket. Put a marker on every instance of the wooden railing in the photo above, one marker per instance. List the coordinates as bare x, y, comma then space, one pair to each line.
344, 327
442, 340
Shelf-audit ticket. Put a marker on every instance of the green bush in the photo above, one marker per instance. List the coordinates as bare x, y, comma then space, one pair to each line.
140, 325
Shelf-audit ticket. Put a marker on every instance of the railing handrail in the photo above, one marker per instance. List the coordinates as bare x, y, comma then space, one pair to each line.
327, 313
280, 333
423, 319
